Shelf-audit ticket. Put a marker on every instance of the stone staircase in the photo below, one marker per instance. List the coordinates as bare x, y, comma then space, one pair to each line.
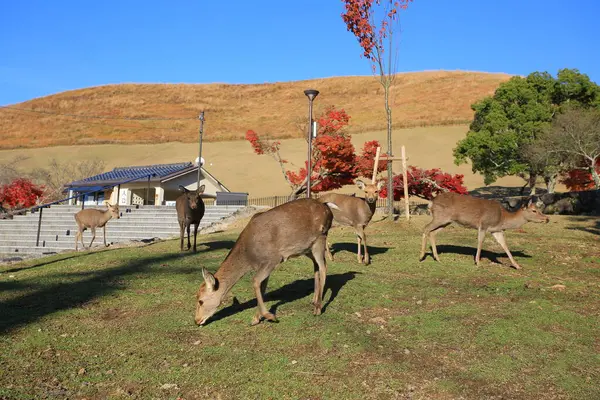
57, 234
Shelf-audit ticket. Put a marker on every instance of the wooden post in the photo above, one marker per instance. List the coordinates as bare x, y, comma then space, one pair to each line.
375, 165
405, 179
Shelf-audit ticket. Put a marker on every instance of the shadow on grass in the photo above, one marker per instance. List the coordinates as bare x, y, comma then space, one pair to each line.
77, 288
291, 292
492, 192
593, 229
470, 251
353, 247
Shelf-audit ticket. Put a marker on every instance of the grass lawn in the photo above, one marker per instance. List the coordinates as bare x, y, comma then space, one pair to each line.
118, 323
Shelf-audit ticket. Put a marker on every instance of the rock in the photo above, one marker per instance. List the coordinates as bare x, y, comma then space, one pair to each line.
558, 287
168, 386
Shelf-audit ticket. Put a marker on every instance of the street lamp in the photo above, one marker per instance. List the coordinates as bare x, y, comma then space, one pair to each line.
201, 118
311, 94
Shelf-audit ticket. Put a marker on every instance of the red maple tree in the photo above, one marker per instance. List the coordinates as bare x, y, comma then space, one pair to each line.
375, 35
426, 183
580, 179
20, 193
334, 161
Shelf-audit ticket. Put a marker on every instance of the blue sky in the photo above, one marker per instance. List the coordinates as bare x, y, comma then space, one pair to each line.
53, 46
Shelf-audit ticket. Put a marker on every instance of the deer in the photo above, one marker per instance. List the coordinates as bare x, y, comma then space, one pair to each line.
481, 214
271, 237
190, 210
355, 212
93, 218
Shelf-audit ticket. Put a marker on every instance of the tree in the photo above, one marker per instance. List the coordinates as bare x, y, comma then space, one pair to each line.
360, 19
579, 179
573, 143
334, 162
20, 193
9, 171
59, 173
426, 183
505, 124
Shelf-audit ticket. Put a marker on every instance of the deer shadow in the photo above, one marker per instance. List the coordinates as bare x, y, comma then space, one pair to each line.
296, 290
352, 248
212, 246
471, 251
594, 229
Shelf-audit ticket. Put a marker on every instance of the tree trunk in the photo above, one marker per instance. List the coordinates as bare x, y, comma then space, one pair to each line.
596, 177
531, 183
550, 181
390, 174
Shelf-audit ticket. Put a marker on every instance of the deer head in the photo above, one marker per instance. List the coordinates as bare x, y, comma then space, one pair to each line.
114, 209
208, 298
371, 190
193, 197
532, 214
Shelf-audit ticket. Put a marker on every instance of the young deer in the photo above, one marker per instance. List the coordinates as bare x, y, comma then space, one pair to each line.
355, 212
92, 219
481, 214
271, 237
190, 210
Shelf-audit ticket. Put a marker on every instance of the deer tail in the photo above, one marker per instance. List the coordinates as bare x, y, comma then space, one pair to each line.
332, 205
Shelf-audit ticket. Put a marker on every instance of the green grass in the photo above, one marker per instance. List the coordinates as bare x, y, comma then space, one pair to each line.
118, 323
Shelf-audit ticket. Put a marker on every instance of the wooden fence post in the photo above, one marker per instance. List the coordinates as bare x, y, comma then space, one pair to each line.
405, 179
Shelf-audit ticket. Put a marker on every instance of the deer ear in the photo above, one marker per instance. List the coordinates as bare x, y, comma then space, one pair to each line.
200, 190
209, 279
529, 202
380, 185
360, 184
182, 189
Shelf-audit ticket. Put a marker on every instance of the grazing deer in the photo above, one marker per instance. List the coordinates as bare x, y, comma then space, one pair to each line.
92, 219
355, 212
271, 237
190, 210
481, 214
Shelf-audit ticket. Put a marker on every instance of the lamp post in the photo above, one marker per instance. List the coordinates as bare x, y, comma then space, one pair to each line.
201, 118
311, 94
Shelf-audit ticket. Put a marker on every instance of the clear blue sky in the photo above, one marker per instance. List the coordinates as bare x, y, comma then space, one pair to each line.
53, 46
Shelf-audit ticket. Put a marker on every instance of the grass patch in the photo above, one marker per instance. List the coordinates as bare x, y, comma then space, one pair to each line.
118, 323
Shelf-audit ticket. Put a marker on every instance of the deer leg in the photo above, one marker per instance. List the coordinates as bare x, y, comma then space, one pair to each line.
359, 251
81, 238
104, 231
427, 232
263, 288
329, 251
363, 238
77, 238
480, 237
181, 234
93, 237
195, 235
430, 231
262, 309
318, 256
187, 227
499, 236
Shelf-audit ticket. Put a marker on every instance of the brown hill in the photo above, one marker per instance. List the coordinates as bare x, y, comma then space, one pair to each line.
274, 109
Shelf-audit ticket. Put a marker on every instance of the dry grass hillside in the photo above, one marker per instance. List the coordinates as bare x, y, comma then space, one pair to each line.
275, 109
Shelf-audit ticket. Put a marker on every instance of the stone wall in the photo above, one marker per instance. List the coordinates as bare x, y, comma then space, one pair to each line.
570, 203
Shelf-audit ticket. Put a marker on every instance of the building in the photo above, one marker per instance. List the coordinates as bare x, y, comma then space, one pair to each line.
146, 185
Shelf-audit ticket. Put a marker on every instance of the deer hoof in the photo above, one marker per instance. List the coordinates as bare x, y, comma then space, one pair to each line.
256, 320
317, 310
516, 266
270, 317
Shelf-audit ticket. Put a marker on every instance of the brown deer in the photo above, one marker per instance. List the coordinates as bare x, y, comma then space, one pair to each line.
481, 214
190, 210
92, 219
270, 238
355, 212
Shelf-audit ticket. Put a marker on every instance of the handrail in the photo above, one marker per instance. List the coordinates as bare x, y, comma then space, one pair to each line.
41, 207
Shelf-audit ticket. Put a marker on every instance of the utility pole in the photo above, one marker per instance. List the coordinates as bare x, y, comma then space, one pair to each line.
311, 94
200, 132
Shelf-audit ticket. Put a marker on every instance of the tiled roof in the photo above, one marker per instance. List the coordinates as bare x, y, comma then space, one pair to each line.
126, 173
